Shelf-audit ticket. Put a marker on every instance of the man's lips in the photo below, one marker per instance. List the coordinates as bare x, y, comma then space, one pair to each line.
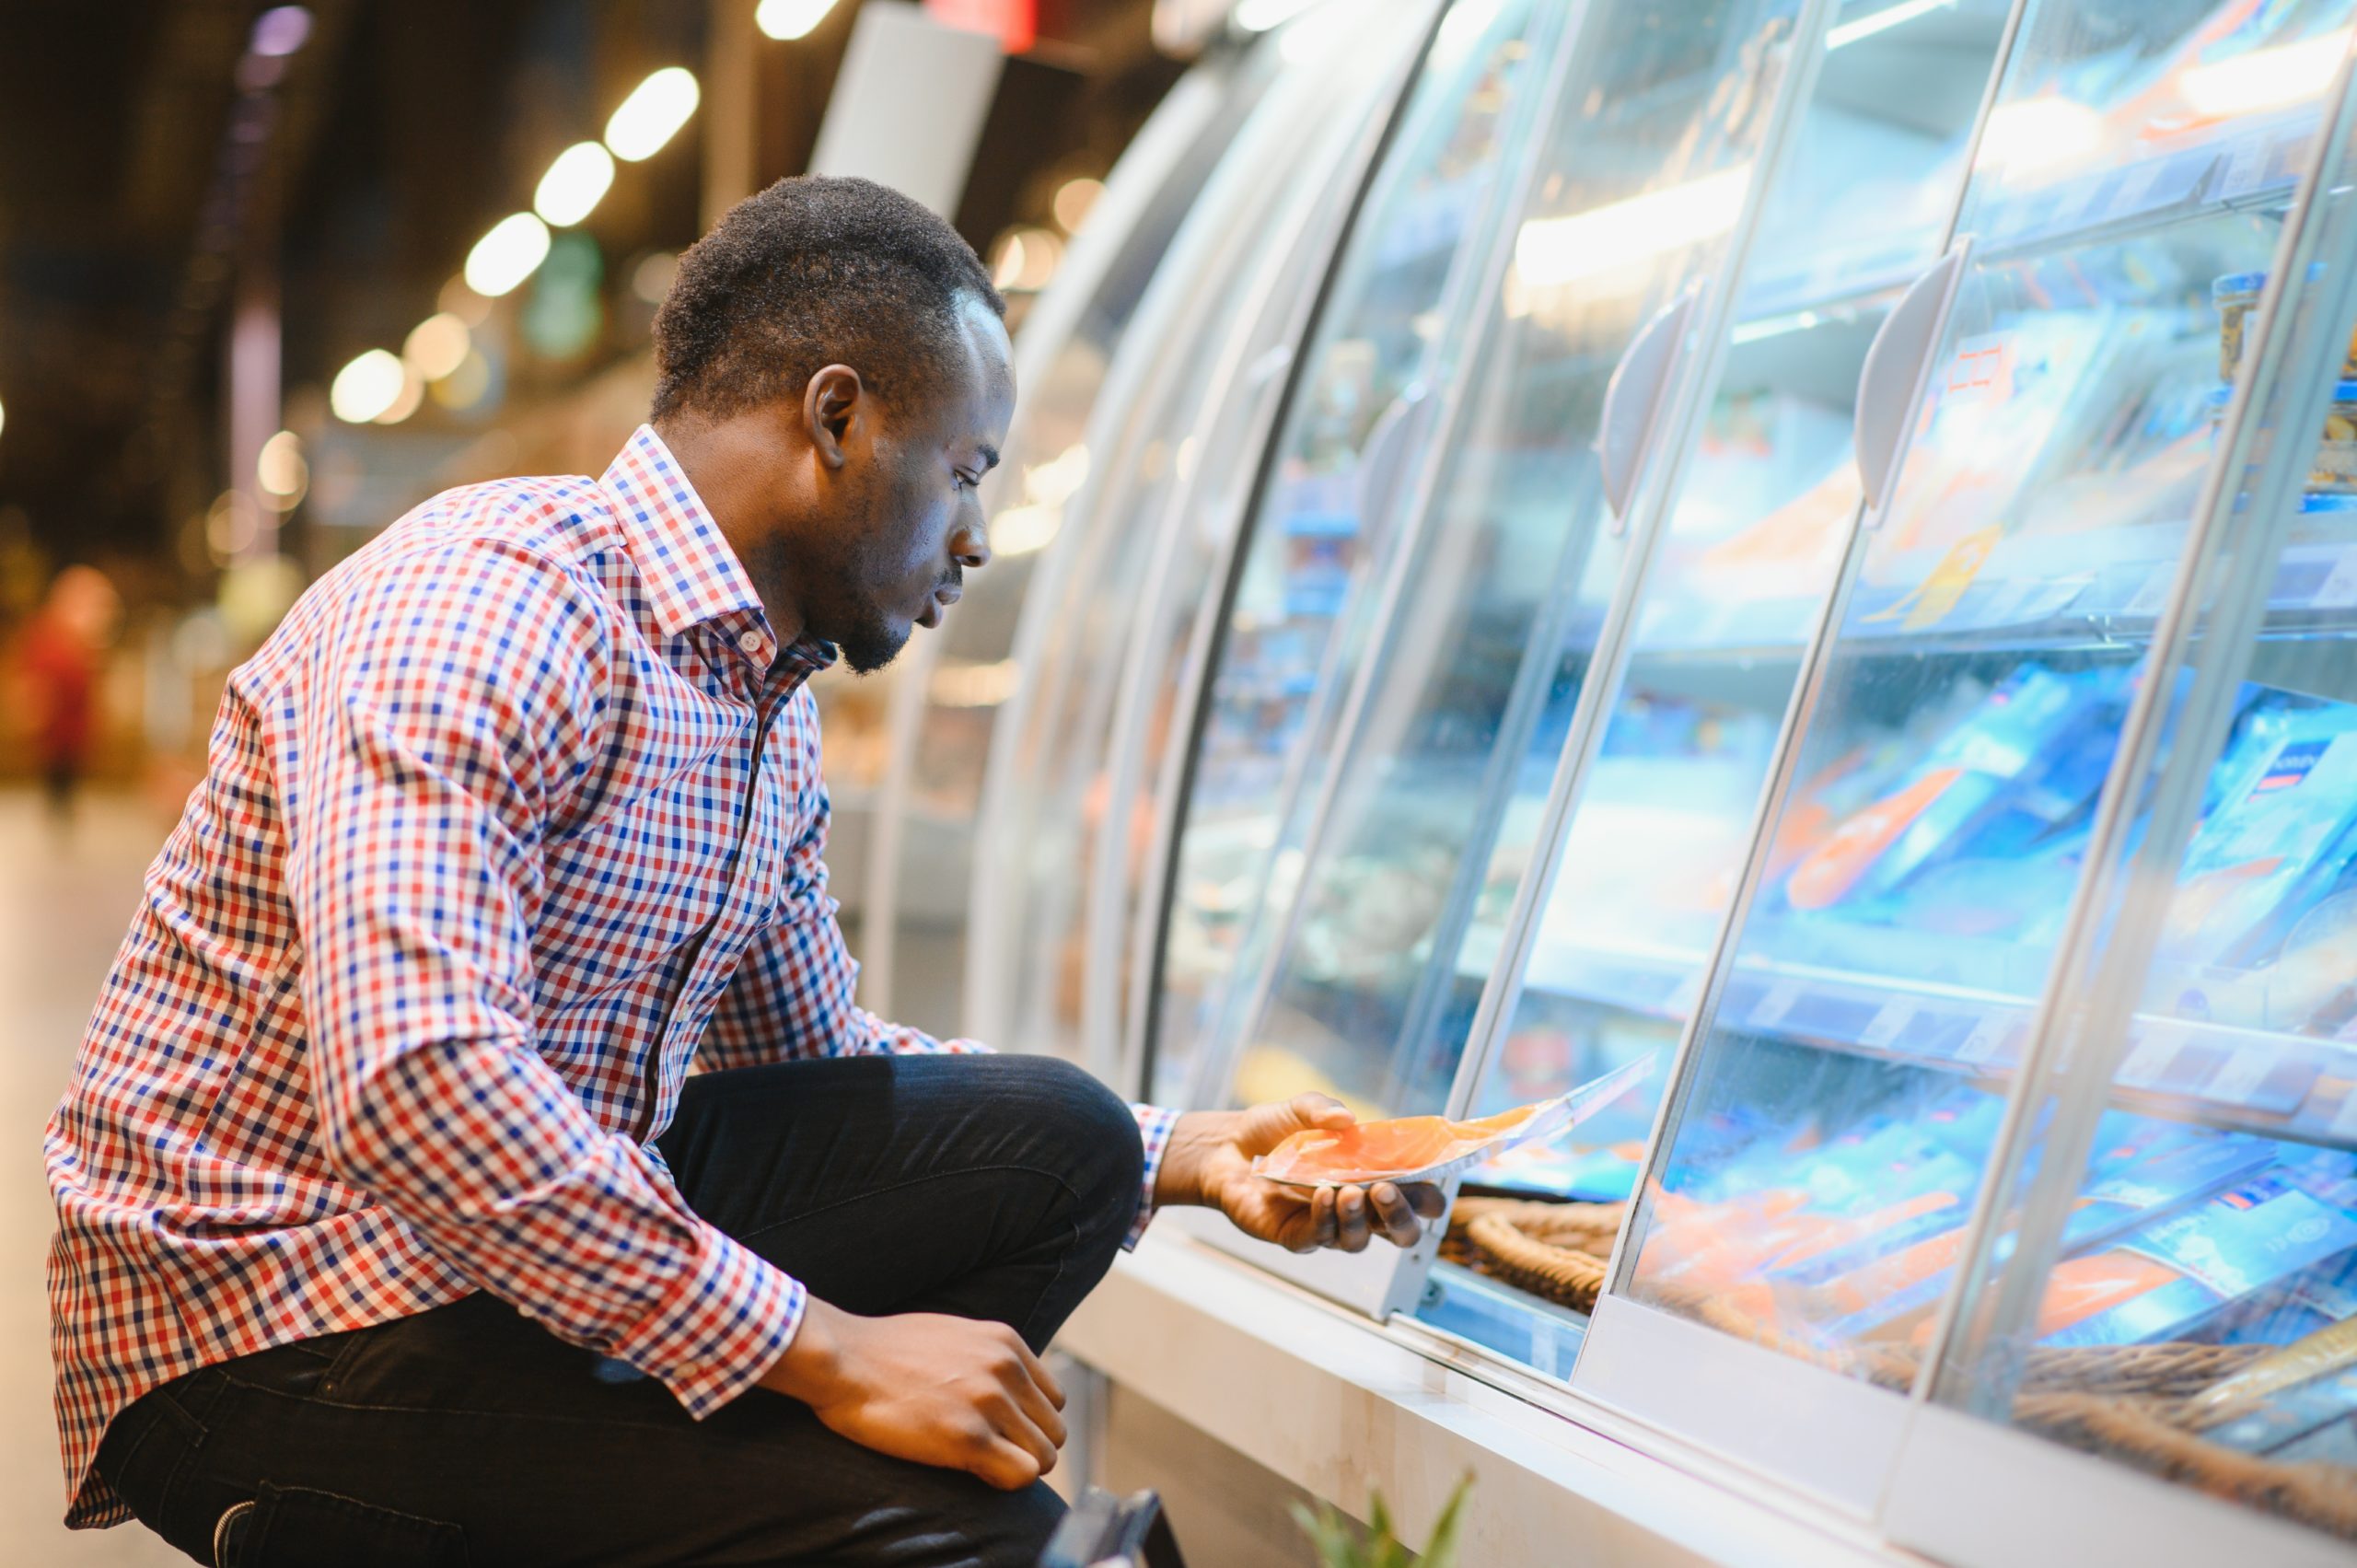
942, 598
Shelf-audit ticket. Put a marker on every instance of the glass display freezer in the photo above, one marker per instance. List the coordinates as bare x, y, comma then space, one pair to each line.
1812, 542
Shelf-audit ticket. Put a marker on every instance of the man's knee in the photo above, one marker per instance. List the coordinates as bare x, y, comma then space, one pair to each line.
1095, 1128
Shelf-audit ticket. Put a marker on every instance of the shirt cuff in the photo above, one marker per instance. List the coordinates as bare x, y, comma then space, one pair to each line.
1154, 1130
720, 1327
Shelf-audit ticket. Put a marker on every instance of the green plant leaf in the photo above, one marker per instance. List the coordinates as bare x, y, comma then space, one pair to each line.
1441, 1550
1336, 1543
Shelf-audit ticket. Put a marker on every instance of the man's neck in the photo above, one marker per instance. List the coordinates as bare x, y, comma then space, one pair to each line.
731, 463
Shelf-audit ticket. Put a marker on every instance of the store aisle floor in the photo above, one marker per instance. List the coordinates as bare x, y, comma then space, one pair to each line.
64, 901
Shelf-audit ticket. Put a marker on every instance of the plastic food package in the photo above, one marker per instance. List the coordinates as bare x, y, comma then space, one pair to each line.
1427, 1148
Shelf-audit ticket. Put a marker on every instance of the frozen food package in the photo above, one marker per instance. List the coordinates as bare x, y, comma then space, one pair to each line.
1427, 1148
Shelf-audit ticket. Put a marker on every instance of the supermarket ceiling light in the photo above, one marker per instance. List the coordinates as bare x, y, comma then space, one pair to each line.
2039, 132
573, 185
405, 401
1259, 15
1550, 252
366, 387
279, 467
1075, 200
1882, 21
654, 109
786, 20
436, 347
2265, 78
511, 252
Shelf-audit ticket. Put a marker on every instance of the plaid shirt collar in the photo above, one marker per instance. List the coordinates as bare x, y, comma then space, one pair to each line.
692, 577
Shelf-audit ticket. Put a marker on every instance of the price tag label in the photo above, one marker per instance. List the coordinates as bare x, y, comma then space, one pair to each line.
2246, 170
2152, 598
1887, 1025
2339, 589
2239, 1076
2157, 1046
1775, 1003
1987, 1036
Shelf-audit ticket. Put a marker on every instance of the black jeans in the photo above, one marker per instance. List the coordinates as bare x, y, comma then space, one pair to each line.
990, 1187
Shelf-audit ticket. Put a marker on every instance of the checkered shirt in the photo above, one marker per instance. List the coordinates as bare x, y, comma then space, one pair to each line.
479, 864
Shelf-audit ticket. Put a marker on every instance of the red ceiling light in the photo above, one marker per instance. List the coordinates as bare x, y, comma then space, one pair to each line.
1014, 23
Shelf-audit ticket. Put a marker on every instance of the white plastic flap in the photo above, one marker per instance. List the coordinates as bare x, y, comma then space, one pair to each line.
1388, 449
1632, 402
1888, 381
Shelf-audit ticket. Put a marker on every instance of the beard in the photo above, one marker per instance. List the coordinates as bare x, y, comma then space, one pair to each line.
865, 636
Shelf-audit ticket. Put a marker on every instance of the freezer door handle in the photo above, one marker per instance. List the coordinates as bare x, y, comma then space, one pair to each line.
1390, 446
1633, 400
1890, 383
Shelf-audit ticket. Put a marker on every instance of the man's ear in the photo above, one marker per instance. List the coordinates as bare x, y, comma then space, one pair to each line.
832, 406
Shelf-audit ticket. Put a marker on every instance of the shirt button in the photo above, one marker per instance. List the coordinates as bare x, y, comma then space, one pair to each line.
749, 641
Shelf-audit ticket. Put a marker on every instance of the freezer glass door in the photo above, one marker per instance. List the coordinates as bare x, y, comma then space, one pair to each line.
935, 781
1413, 838
1655, 829
1070, 827
1096, 520
1812, 1184
1325, 521
2172, 1282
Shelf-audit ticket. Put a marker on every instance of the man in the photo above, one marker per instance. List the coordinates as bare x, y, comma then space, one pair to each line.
392, 1227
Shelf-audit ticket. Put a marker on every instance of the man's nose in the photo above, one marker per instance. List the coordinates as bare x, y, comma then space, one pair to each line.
971, 546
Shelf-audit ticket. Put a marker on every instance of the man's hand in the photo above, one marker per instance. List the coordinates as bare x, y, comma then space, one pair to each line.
1209, 1162
925, 1386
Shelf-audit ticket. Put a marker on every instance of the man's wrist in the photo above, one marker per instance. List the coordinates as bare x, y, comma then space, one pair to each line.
811, 1368
1195, 1138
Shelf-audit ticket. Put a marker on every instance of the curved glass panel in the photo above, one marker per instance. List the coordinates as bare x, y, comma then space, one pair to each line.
2198, 1110
1428, 815
1047, 790
1826, 1146
1652, 848
969, 676
1308, 588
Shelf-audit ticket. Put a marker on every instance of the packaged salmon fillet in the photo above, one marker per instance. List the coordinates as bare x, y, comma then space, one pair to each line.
1427, 1148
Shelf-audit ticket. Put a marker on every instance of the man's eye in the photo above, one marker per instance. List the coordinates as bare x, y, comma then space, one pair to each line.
963, 481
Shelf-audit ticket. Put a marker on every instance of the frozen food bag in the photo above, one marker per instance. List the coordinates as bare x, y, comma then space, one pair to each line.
1427, 1148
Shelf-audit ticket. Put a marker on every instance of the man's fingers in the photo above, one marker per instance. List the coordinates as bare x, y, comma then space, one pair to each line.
1350, 1219
1321, 1110
1008, 1466
1044, 1380
1426, 1198
1032, 1400
1399, 1220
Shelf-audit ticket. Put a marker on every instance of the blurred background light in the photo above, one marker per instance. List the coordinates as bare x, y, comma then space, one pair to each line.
458, 299
517, 245
1074, 200
464, 386
574, 183
788, 19
280, 31
1025, 259
281, 467
411, 393
651, 279
366, 387
654, 109
3, 416
436, 347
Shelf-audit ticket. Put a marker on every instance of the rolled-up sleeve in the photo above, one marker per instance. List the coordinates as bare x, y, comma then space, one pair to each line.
462, 711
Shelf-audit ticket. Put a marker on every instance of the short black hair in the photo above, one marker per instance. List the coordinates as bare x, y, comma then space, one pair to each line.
815, 272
